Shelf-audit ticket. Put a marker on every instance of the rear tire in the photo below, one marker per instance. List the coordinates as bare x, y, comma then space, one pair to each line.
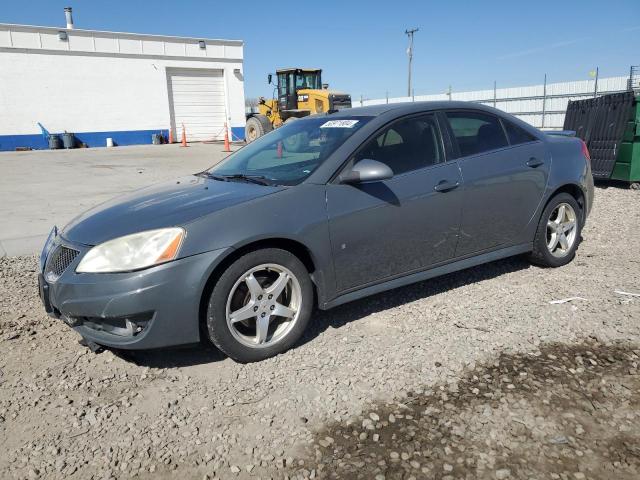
256, 126
260, 306
558, 233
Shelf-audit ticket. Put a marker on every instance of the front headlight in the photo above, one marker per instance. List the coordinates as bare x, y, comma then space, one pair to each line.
48, 245
133, 252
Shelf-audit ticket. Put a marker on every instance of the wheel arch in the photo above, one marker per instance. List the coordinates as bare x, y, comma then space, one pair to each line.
576, 192
295, 247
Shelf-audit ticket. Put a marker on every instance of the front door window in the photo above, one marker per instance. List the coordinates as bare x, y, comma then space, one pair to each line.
406, 145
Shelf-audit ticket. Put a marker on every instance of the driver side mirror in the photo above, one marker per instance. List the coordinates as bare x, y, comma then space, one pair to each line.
367, 171
269, 78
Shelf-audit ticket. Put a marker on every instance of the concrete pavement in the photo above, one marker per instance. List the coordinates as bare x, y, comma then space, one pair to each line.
39, 189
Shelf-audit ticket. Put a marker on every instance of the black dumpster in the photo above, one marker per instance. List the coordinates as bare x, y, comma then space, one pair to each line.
601, 123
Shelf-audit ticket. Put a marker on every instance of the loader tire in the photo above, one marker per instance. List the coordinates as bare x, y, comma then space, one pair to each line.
256, 127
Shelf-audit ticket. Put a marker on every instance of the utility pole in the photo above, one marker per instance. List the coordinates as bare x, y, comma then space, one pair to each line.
544, 100
410, 33
495, 92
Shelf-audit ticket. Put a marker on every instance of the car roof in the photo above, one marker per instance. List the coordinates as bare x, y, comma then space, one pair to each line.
410, 107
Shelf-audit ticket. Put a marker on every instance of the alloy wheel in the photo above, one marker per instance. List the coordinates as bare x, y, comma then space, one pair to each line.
562, 230
263, 305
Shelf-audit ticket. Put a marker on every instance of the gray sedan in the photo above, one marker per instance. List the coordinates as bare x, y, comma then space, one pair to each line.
320, 212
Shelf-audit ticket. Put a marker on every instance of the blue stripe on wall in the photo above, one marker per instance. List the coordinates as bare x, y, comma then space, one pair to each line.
237, 133
133, 137
11, 142
92, 139
95, 139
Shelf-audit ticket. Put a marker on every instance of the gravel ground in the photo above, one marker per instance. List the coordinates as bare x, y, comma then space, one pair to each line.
566, 412
450, 352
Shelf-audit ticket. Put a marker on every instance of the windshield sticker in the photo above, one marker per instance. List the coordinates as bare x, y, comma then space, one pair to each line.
339, 124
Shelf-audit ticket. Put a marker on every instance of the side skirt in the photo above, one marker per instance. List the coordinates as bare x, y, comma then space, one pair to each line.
427, 274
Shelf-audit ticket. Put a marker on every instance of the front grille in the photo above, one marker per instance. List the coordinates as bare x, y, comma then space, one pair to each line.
59, 261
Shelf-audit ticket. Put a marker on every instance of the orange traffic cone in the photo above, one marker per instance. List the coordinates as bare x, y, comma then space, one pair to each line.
170, 135
279, 150
227, 148
184, 137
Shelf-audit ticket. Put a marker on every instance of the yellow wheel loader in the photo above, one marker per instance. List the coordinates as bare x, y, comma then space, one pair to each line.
300, 92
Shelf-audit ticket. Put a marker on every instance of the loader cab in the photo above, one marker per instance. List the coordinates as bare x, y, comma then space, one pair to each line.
291, 80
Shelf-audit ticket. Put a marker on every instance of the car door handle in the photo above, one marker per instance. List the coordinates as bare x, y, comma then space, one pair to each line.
445, 186
534, 162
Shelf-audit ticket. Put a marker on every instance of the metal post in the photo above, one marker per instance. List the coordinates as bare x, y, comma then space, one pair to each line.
387, 95
595, 88
494, 94
449, 92
413, 95
410, 33
361, 101
544, 100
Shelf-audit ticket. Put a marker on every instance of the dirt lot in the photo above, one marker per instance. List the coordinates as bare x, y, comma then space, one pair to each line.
473, 375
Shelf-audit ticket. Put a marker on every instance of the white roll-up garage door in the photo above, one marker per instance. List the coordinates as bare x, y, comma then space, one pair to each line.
197, 100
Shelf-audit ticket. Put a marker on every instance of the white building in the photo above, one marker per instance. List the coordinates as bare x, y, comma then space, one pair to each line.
123, 86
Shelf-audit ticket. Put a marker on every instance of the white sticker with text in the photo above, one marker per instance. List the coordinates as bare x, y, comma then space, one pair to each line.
339, 124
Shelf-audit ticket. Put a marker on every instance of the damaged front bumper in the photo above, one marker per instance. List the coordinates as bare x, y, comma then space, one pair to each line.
151, 308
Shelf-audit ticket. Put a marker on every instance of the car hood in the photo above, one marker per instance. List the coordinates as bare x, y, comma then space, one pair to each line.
168, 204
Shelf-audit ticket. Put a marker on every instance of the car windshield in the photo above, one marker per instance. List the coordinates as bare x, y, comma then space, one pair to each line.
289, 154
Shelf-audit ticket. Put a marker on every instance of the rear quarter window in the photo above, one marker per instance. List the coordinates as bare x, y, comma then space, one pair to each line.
516, 134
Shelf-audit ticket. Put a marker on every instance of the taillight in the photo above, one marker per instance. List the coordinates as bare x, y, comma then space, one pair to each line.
585, 150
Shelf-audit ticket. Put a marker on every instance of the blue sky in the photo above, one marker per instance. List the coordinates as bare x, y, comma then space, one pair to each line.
361, 45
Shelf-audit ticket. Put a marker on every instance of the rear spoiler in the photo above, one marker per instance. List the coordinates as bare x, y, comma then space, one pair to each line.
561, 133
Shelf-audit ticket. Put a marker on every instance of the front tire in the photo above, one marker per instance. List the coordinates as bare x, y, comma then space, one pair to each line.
558, 233
260, 306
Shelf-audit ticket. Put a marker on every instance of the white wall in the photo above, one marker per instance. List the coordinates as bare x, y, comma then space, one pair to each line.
100, 81
93, 94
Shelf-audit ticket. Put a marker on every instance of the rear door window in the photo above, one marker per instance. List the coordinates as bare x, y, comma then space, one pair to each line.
406, 145
516, 134
476, 132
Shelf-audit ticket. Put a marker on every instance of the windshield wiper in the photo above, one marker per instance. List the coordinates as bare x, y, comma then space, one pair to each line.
257, 179
213, 176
